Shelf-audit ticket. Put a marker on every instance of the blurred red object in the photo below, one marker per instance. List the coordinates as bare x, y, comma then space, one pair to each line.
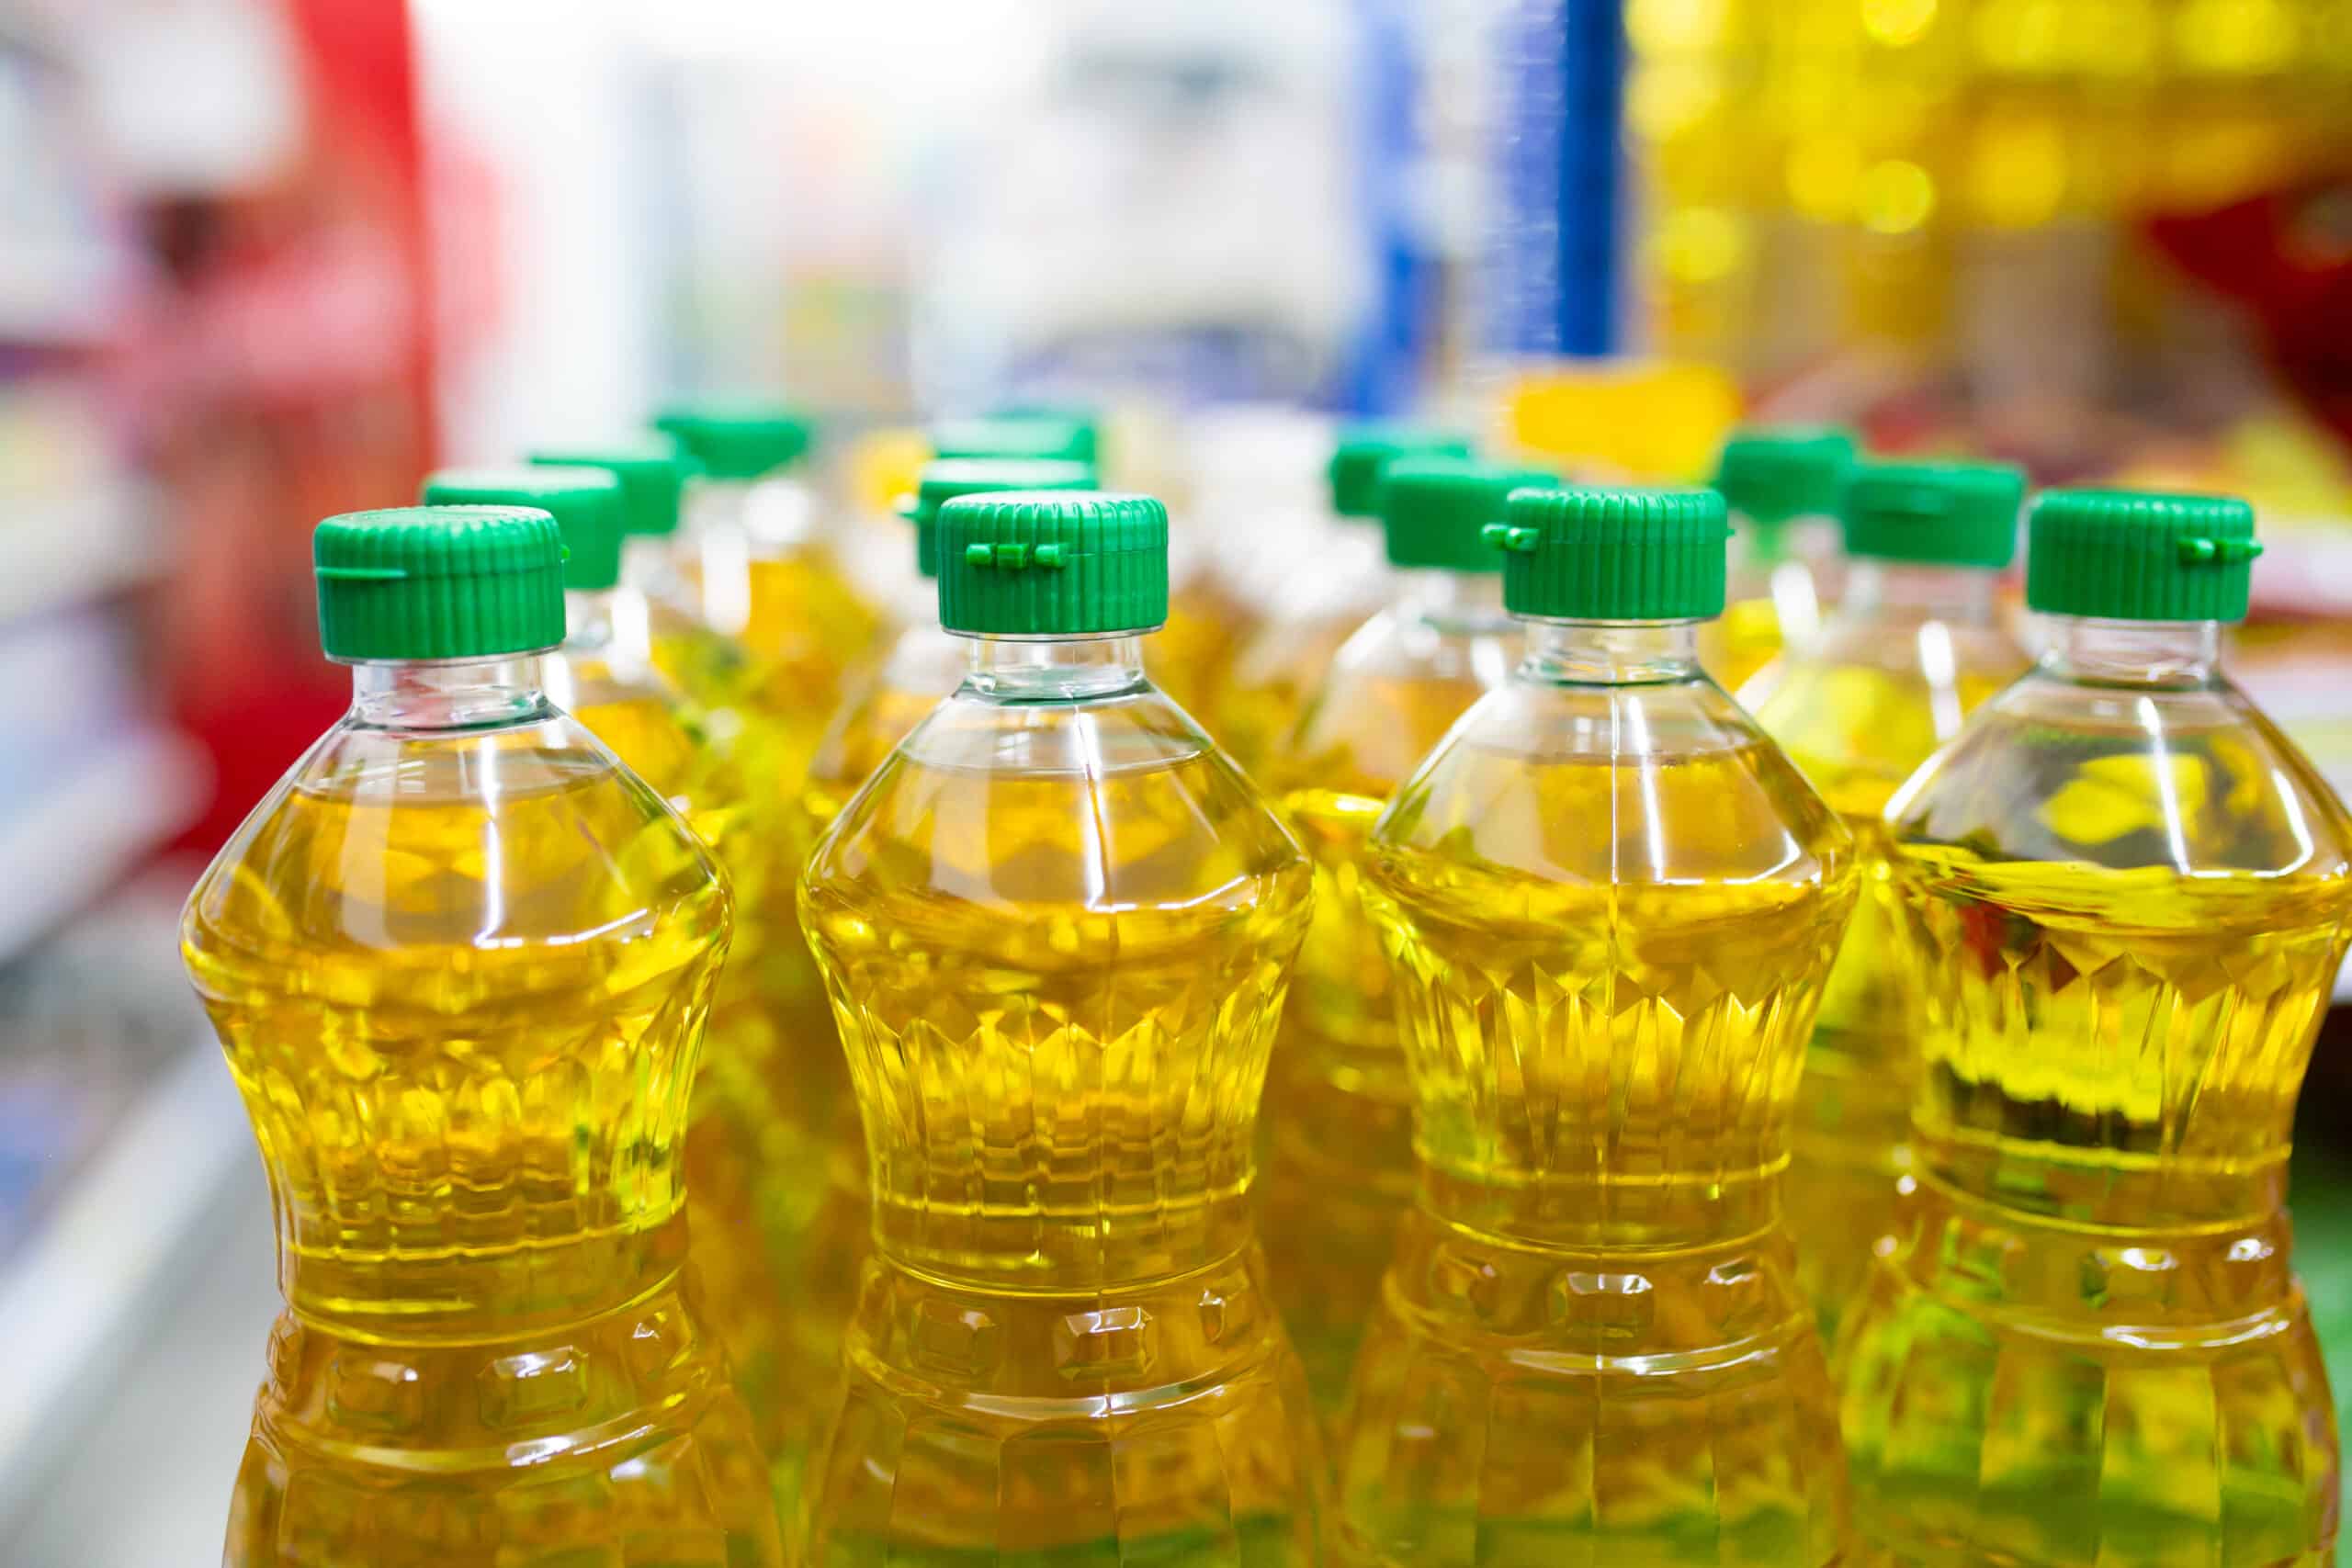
282, 374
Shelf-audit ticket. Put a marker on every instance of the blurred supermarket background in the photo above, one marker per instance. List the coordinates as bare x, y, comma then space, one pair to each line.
266, 260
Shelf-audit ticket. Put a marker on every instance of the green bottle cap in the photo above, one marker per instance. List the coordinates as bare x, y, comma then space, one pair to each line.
417, 582
1436, 509
1047, 563
948, 478
2140, 556
586, 503
1005, 435
652, 473
739, 441
1364, 449
1773, 473
1934, 514
1614, 555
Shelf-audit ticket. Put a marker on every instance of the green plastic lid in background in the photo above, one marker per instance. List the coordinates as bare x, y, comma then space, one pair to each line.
1436, 509
2140, 556
1008, 436
948, 478
739, 441
1052, 563
419, 582
1364, 449
586, 503
1933, 514
1771, 473
652, 473
1614, 555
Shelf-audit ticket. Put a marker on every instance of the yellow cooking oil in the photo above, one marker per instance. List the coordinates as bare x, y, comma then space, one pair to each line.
458, 962
2123, 901
1057, 927
1915, 645
1300, 630
605, 677
1338, 1105
1610, 904
1781, 483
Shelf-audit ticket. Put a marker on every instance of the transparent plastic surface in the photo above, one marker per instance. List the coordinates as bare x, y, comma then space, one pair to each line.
1911, 652
1612, 904
1058, 927
459, 962
1778, 585
1337, 584
2123, 899
1339, 1106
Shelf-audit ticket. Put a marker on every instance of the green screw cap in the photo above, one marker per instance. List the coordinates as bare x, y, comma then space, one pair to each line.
1934, 514
652, 474
1027, 435
949, 478
1436, 509
739, 441
1047, 563
1614, 555
1773, 473
1364, 449
418, 583
2140, 556
586, 503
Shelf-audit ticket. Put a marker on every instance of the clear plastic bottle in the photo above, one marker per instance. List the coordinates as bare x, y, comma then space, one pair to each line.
1056, 927
1917, 644
1276, 671
2124, 899
1339, 1106
458, 961
1612, 904
1781, 484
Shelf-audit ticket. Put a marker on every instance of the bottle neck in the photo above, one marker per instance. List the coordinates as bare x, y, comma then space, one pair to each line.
1055, 669
1461, 602
1959, 595
588, 617
2175, 654
1610, 653
449, 694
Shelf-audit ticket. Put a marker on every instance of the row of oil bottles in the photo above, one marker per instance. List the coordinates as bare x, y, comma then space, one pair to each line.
1559, 1255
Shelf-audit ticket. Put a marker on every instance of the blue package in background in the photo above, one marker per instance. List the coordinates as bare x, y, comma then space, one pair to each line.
1553, 267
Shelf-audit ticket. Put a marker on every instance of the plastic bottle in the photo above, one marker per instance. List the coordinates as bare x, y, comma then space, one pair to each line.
458, 961
1338, 1105
1611, 902
1056, 927
1783, 486
1274, 673
615, 690
1916, 646
656, 609
2124, 899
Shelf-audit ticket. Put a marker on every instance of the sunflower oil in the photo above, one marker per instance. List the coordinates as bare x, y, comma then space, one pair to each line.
1781, 484
1914, 649
1611, 903
1279, 668
1056, 927
2123, 899
458, 962
1340, 1167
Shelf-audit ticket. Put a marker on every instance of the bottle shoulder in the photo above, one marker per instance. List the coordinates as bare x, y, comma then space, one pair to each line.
437, 848
1862, 708
1116, 806
1611, 787
1392, 691
2190, 781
